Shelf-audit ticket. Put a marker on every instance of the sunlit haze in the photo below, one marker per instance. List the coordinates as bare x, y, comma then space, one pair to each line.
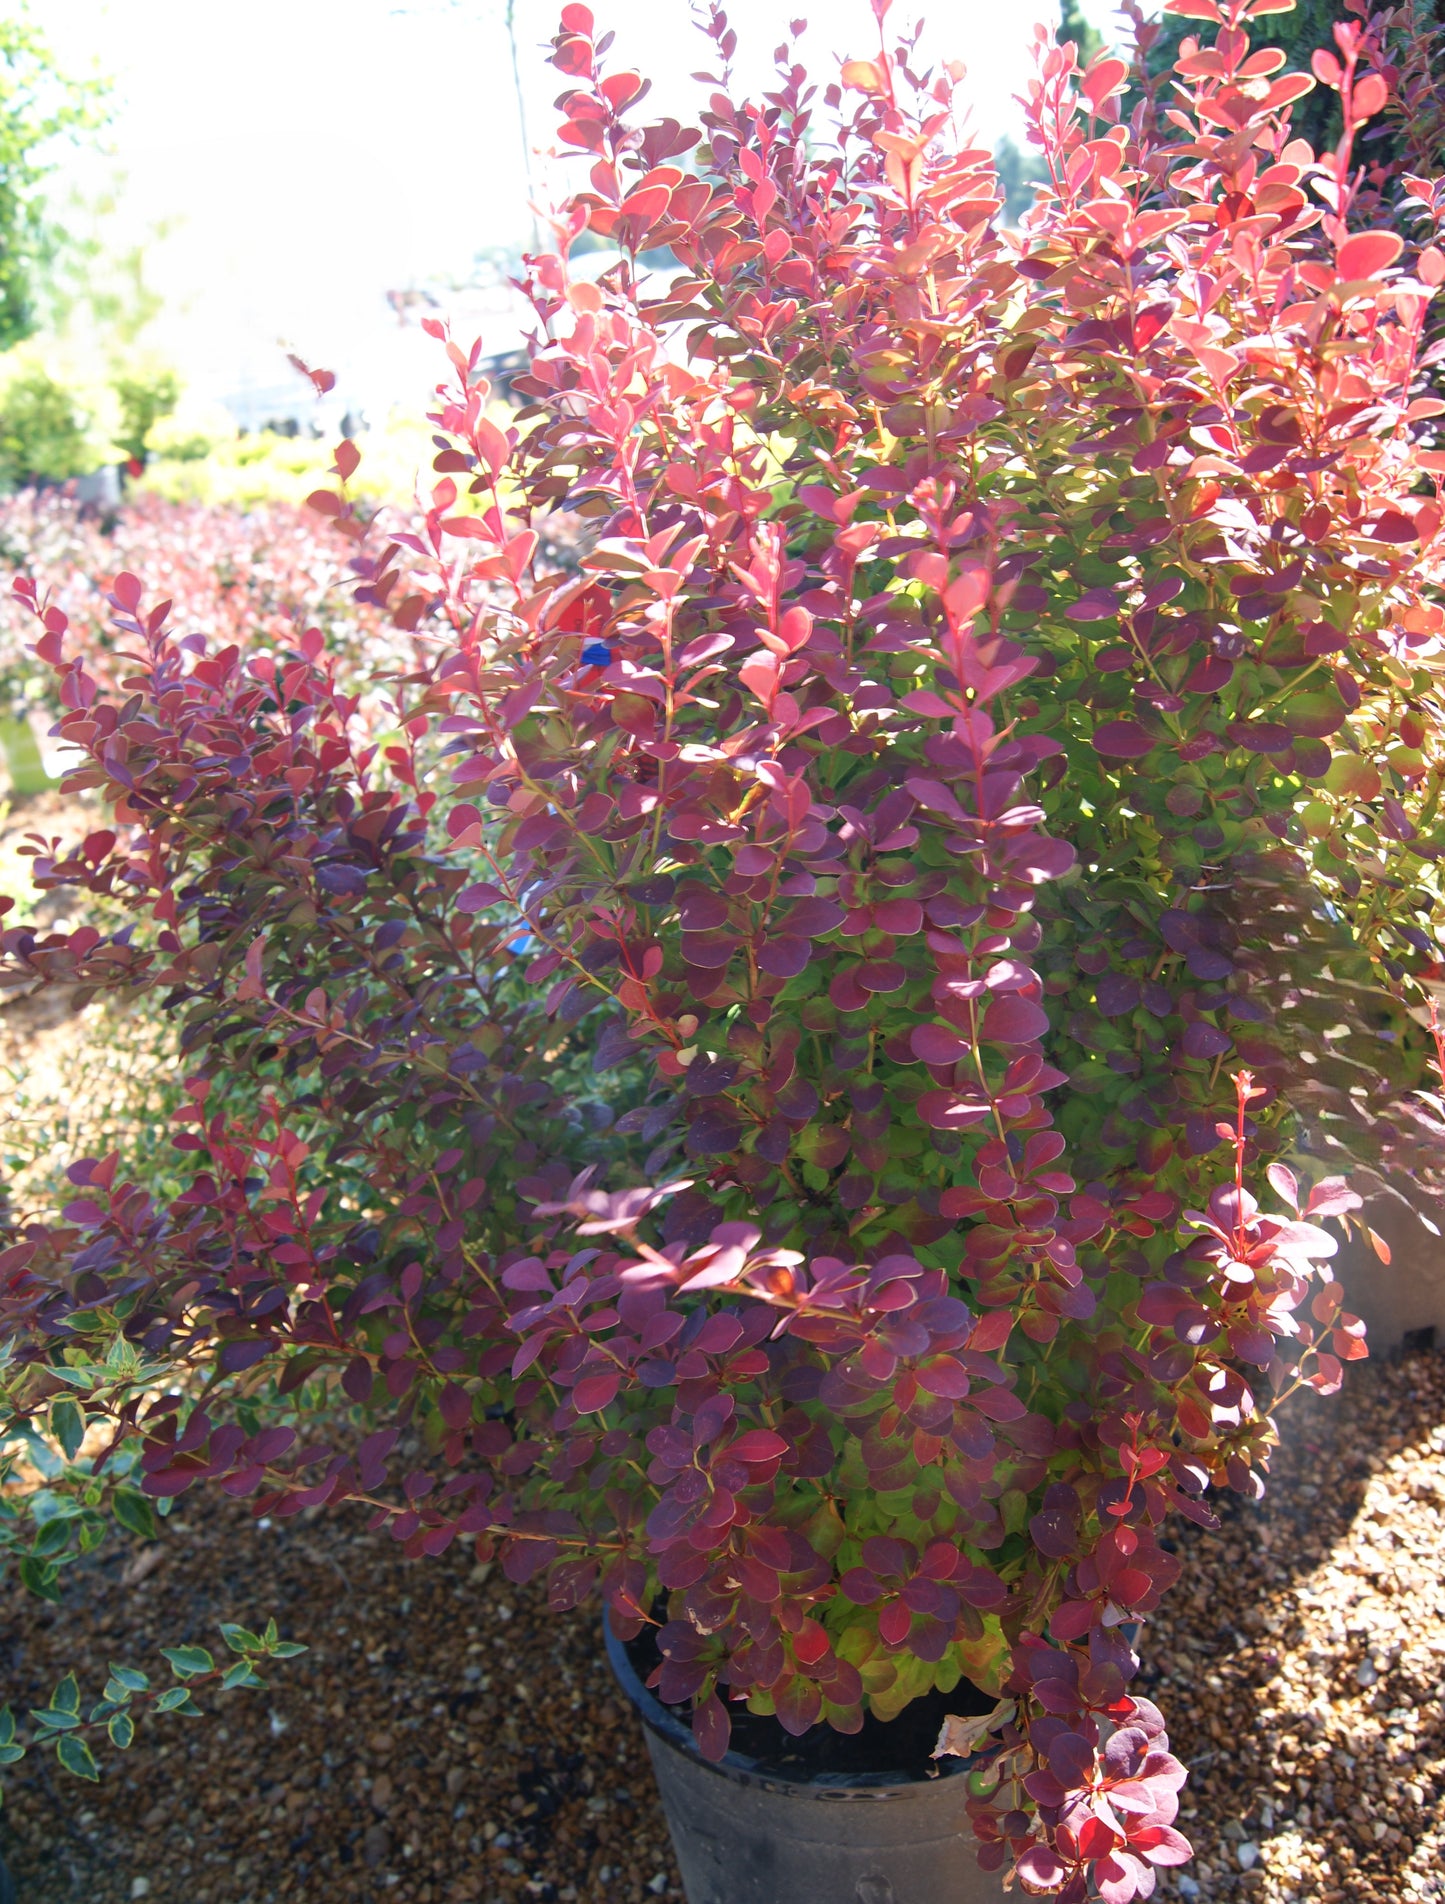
287, 164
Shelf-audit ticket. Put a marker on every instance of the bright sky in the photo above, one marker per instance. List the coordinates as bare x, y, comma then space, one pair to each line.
302, 157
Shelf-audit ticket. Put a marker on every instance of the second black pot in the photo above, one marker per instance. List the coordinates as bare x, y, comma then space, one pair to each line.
749, 1832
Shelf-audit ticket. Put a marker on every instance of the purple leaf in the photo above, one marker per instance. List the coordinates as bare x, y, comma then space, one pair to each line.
1203, 1040
945, 1110
1041, 1869
937, 1044
476, 898
1013, 1020
1122, 740
711, 1728
783, 955
1117, 993
1100, 604
1071, 1759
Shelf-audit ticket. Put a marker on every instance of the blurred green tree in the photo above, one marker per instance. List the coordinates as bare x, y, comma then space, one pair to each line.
145, 397
1073, 26
44, 433
1018, 173
39, 105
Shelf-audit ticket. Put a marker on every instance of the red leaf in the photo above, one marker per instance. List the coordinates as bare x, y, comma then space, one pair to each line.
1392, 526
1326, 69
894, 1622
865, 76
1103, 79
992, 1331
492, 445
1369, 96
1368, 253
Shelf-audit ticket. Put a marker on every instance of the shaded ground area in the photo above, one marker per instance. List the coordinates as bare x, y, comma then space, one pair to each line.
443, 1740
448, 1742
73, 1082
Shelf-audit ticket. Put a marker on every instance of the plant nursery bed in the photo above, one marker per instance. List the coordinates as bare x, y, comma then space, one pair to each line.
447, 1742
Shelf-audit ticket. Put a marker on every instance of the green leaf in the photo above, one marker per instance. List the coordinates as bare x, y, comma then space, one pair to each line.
122, 1730
178, 1699
39, 1577
53, 1538
53, 1719
187, 1661
240, 1675
133, 1511
7, 1726
128, 1679
66, 1697
92, 1533
42, 1454
286, 1649
238, 1639
67, 1424
10, 1753
76, 1756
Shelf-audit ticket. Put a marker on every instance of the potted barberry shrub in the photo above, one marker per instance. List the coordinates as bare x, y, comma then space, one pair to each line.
761, 1057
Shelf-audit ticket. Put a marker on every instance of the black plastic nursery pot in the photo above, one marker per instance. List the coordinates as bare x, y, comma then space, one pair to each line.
869, 1820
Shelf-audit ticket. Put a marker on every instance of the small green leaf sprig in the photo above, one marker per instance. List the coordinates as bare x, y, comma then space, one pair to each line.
129, 1695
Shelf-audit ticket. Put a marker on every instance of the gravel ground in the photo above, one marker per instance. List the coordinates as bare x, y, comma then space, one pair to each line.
1311, 1629
448, 1742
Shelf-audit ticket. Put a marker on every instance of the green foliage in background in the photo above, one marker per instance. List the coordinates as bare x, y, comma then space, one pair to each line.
45, 429
1073, 26
1018, 173
145, 398
38, 105
264, 466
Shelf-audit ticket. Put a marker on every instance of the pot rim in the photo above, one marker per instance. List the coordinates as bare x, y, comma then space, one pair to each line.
741, 1766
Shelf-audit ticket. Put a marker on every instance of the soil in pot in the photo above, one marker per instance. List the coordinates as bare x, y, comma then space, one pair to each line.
884, 1751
